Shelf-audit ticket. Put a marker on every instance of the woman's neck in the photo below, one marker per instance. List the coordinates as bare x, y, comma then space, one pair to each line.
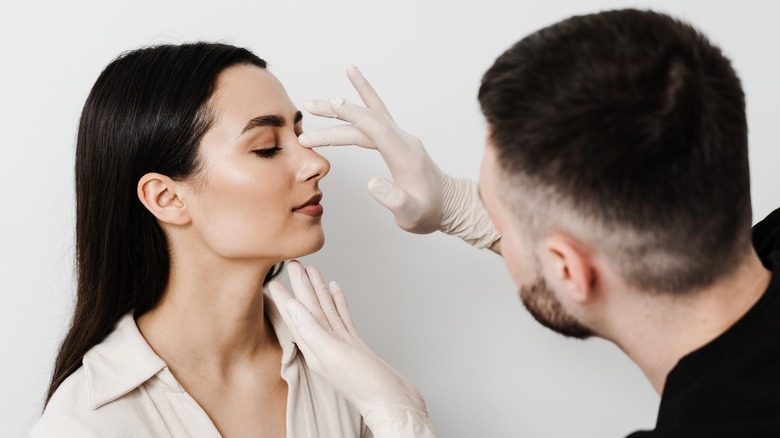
210, 320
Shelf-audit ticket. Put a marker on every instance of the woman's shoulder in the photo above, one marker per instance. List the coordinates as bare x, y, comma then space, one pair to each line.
78, 409
103, 397
67, 411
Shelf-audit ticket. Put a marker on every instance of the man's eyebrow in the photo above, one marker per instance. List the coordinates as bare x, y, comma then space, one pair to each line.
270, 120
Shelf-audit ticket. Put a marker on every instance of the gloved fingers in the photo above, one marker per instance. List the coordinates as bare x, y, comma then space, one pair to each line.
304, 291
326, 300
320, 107
281, 296
380, 130
340, 300
388, 194
367, 93
339, 108
339, 135
397, 147
397, 200
323, 349
307, 331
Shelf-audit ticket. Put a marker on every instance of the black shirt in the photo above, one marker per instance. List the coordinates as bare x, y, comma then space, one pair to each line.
731, 386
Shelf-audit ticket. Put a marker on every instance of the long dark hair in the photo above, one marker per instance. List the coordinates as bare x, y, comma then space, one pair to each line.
147, 112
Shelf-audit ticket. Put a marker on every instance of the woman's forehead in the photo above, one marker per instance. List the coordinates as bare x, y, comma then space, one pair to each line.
246, 92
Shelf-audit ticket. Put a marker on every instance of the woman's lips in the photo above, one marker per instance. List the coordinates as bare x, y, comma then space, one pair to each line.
310, 210
312, 207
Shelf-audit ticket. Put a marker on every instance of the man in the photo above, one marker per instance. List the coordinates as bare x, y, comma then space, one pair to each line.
616, 172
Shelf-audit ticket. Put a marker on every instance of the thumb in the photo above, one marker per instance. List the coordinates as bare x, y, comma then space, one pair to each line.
397, 200
314, 338
388, 194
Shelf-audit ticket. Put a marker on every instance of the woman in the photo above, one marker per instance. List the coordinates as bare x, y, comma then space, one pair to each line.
191, 188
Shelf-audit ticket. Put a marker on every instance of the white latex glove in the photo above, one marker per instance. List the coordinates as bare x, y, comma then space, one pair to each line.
422, 198
319, 320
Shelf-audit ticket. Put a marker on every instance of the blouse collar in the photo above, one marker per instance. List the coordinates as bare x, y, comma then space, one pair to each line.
124, 360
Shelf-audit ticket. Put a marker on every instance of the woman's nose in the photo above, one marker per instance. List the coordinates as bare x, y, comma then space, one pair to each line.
313, 167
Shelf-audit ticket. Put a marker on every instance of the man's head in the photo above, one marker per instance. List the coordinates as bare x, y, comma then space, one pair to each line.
617, 143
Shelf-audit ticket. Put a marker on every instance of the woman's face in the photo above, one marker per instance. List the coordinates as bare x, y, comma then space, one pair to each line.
246, 203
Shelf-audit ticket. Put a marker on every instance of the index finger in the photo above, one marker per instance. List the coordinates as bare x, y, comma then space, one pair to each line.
367, 92
281, 296
325, 299
304, 291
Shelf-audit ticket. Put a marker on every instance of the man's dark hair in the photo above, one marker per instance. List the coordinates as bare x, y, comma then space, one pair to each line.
636, 123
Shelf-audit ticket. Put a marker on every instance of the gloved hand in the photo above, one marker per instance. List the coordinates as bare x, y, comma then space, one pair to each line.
322, 327
422, 198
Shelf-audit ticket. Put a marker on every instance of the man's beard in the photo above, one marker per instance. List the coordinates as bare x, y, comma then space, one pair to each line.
548, 311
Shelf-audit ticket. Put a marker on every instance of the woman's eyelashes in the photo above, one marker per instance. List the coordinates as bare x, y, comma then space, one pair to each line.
267, 152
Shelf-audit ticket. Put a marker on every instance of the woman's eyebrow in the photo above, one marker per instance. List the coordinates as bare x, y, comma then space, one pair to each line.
270, 120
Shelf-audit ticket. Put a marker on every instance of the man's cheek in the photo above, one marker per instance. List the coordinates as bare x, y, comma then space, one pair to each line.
513, 262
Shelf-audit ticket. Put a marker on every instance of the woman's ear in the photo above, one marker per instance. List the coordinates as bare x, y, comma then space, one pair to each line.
572, 267
162, 196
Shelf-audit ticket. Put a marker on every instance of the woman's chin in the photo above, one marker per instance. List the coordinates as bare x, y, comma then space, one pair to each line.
310, 247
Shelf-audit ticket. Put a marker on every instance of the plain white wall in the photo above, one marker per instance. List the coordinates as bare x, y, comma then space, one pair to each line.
443, 313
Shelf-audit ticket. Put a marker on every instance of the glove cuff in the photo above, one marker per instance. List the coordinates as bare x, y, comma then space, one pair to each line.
463, 214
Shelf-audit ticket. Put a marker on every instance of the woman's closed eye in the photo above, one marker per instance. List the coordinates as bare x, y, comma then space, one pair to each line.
267, 152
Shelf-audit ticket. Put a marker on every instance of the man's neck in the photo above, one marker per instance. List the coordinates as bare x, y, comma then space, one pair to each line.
656, 331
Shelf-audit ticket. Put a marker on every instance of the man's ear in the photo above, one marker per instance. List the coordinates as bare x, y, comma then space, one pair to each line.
162, 196
572, 267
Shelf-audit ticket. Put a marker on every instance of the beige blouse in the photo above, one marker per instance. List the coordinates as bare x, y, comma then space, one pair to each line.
123, 389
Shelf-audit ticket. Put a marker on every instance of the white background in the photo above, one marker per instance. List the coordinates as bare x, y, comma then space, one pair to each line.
443, 313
